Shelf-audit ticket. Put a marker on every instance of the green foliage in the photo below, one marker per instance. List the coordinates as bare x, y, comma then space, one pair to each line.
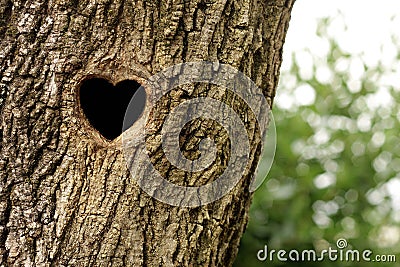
337, 163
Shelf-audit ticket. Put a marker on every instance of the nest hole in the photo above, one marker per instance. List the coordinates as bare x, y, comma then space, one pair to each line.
111, 109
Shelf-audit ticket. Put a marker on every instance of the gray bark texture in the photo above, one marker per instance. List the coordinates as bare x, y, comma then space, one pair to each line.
66, 196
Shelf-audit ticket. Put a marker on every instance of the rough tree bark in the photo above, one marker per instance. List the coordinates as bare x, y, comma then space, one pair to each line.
66, 196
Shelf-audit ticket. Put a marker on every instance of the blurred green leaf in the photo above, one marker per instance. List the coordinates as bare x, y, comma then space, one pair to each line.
337, 163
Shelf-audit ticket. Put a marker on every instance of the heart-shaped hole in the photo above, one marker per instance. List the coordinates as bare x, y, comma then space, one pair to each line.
105, 105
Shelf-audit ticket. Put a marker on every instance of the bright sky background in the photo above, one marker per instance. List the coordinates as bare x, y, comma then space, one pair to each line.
370, 25
361, 27
364, 28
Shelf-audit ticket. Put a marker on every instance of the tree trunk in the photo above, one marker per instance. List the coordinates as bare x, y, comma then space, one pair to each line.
66, 195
